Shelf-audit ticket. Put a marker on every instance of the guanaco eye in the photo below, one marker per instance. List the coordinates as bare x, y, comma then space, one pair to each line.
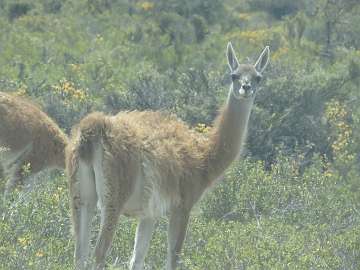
235, 77
258, 78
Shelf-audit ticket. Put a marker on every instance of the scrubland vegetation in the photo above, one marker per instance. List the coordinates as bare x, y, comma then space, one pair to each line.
292, 202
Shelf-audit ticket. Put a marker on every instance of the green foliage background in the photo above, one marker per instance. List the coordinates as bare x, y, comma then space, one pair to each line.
292, 202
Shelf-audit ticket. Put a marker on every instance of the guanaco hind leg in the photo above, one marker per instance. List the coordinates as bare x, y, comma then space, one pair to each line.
85, 193
112, 194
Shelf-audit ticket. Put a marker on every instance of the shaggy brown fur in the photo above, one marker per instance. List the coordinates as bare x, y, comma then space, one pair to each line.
135, 163
188, 161
174, 149
31, 138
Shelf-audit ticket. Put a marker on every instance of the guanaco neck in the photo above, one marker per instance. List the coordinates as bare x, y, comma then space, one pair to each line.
228, 135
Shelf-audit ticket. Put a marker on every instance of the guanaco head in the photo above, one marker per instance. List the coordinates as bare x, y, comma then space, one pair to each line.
245, 77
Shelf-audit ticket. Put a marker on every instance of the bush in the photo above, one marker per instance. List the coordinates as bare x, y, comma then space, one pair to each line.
17, 10
53, 6
291, 222
286, 192
277, 8
291, 108
200, 27
211, 10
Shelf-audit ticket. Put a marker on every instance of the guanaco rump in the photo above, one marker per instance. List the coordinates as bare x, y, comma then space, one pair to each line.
29, 140
150, 164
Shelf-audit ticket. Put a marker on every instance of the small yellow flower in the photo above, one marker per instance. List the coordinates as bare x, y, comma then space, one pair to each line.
244, 16
21, 91
280, 52
99, 38
24, 241
26, 169
56, 197
39, 254
202, 128
68, 90
146, 6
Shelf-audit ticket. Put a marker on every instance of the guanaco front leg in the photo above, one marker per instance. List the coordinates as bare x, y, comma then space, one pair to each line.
144, 232
178, 222
13, 166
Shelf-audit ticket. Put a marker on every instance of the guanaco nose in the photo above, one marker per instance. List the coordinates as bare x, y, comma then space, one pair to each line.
246, 87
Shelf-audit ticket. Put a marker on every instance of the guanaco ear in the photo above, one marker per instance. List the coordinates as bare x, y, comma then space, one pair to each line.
263, 60
231, 56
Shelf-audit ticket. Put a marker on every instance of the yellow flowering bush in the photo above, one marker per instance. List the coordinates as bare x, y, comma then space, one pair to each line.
39, 254
244, 16
257, 36
254, 36
202, 128
279, 53
24, 241
146, 6
336, 115
69, 91
22, 90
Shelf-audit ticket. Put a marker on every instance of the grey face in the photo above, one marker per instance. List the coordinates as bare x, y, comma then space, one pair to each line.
244, 81
246, 77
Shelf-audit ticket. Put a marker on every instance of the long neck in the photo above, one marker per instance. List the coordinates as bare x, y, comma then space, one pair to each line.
228, 135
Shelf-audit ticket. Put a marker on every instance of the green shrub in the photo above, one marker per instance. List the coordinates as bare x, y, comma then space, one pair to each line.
17, 10
200, 27
277, 8
53, 6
